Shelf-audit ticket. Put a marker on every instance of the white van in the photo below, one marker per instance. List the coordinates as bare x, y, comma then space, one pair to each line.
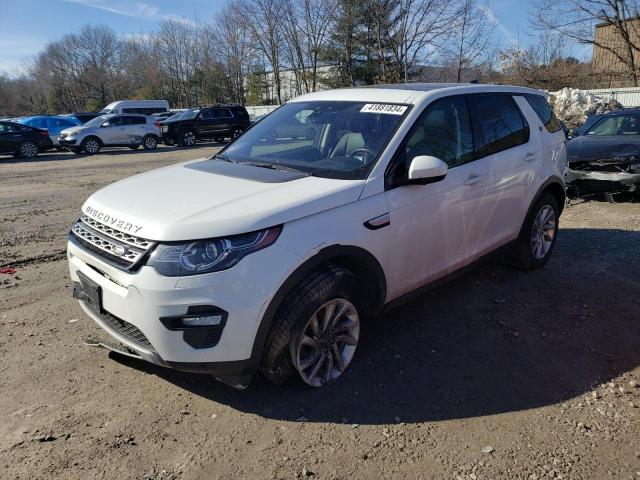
145, 107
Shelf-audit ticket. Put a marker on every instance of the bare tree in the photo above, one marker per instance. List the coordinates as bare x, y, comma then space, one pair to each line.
263, 18
472, 37
576, 20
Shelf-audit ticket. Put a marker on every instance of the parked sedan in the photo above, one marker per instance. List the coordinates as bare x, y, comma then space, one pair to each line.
54, 124
607, 156
23, 140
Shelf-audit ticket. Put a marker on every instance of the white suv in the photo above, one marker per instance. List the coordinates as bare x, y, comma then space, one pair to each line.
269, 256
129, 130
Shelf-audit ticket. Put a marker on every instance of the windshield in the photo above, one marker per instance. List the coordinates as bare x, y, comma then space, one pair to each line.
616, 125
325, 139
186, 115
96, 122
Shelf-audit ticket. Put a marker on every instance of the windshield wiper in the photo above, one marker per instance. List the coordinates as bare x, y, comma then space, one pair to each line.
223, 157
276, 166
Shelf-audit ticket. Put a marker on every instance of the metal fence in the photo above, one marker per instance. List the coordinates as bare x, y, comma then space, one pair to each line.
628, 97
254, 111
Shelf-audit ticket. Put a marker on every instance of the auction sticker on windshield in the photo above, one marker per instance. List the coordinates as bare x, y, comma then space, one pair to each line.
384, 108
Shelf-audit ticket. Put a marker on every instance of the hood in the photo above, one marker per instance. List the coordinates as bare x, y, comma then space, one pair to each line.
213, 198
72, 130
585, 148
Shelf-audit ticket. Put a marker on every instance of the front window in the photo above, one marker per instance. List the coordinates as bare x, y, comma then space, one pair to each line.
324, 138
616, 125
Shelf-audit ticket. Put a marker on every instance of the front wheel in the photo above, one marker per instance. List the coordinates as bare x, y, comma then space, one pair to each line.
28, 150
91, 146
538, 236
188, 139
316, 330
150, 142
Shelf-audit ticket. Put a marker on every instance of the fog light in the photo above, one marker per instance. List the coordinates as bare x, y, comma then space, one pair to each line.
209, 320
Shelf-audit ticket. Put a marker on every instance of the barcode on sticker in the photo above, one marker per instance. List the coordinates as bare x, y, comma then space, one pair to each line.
384, 108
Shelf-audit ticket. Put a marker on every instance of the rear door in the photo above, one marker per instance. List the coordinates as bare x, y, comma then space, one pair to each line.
224, 121
510, 151
136, 128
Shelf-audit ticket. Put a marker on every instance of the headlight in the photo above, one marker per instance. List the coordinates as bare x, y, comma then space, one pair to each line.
206, 256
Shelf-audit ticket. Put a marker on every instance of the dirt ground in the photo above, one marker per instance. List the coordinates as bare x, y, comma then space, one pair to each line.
499, 374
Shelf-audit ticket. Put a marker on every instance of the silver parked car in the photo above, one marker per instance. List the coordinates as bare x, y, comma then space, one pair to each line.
123, 130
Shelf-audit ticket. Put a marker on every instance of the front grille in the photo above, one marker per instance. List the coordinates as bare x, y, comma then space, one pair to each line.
123, 249
126, 330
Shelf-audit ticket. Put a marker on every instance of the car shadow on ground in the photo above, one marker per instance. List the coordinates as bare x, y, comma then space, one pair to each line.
54, 155
495, 340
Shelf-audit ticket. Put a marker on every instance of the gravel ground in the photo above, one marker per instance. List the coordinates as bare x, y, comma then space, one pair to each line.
498, 374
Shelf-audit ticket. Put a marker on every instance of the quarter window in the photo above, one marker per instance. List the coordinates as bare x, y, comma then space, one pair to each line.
544, 112
499, 121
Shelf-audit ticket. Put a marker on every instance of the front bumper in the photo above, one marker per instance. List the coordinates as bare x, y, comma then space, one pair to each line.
67, 143
140, 299
600, 180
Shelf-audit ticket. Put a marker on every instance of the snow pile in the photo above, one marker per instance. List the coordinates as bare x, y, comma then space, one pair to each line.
573, 106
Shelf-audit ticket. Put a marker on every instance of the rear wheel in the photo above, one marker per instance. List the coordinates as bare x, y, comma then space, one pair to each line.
150, 142
28, 149
91, 145
316, 330
187, 138
539, 233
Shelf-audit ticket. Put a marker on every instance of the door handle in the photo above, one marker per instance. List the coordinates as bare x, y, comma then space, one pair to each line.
472, 179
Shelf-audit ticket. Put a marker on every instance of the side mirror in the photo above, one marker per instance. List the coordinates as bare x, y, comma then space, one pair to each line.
426, 169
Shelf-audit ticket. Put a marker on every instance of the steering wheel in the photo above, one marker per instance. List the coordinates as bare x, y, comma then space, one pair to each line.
369, 154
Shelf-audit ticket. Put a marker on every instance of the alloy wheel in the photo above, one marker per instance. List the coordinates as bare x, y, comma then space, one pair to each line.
189, 139
150, 143
91, 146
327, 343
544, 231
28, 150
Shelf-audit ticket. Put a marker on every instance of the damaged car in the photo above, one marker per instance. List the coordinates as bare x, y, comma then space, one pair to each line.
606, 158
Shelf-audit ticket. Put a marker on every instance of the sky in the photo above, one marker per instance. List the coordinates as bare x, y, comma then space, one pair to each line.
27, 25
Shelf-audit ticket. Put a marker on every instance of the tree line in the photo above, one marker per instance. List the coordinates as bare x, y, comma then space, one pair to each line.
264, 51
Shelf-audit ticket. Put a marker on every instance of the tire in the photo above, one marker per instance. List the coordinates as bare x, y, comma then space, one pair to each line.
285, 348
219, 139
187, 139
169, 142
28, 149
91, 145
149, 142
535, 244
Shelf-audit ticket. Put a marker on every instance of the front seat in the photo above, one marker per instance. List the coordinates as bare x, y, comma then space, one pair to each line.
349, 143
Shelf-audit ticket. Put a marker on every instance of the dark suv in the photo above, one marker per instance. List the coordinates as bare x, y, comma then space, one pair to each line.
217, 123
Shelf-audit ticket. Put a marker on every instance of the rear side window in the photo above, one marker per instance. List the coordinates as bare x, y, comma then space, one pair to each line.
135, 120
499, 123
544, 112
223, 113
